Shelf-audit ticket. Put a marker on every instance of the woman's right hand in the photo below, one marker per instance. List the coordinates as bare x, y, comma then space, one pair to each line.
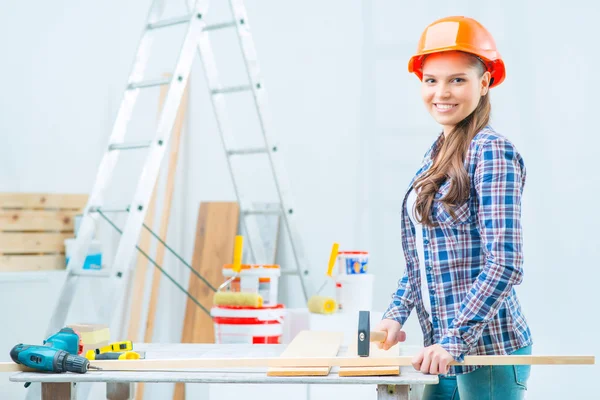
394, 331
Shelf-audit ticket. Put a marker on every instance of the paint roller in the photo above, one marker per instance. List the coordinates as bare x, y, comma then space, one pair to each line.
239, 299
322, 304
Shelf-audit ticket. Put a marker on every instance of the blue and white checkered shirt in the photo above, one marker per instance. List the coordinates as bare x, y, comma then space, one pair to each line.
471, 261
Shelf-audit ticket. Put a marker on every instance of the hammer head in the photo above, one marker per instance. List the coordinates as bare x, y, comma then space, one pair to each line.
364, 331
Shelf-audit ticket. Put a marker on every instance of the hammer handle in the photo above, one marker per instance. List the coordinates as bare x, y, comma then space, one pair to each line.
378, 336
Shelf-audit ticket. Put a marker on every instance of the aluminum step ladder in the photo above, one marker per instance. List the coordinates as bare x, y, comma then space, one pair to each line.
196, 39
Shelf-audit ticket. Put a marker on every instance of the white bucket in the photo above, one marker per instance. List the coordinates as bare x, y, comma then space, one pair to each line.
353, 262
248, 325
261, 279
354, 292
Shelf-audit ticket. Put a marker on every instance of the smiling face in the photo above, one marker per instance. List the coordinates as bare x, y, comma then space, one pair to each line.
453, 83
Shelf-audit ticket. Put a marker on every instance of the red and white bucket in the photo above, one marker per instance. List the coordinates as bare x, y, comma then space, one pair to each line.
248, 325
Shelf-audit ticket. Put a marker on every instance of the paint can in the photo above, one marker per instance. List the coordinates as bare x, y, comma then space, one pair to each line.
261, 279
248, 325
353, 262
354, 292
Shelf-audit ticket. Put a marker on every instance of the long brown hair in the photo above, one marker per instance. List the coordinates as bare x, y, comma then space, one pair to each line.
448, 162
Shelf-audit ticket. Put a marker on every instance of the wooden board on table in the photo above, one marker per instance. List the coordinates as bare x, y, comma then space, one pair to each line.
374, 352
309, 344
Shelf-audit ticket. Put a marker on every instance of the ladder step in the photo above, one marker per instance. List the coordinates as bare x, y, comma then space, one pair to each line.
149, 83
109, 209
250, 150
290, 271
96, 273
232, 89
170, 22
261, 212
222, 25
129, 145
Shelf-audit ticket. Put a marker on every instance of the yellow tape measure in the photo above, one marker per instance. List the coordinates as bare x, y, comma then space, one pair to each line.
116, 347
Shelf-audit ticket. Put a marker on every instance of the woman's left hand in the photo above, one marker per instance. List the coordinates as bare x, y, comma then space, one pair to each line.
432, 360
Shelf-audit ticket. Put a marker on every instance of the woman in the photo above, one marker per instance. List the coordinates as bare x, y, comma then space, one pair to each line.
461, 217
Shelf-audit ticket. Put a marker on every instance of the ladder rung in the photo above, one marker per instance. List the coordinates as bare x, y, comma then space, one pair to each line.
98, 273
170, 22
256, 150
232, 89
129, 145
149, 83
261, 212
221, 25
108, 209
289, 271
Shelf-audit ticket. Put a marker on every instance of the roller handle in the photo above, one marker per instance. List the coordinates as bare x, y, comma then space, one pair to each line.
237, 253
332, 257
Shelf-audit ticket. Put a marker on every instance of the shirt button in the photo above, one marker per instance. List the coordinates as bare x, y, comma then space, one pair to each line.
425, 241
434, 318
432, 291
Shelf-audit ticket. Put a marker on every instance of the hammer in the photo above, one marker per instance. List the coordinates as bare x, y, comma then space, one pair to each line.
365, 335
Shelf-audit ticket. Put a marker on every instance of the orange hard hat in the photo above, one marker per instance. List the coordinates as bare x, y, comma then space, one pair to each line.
459, 34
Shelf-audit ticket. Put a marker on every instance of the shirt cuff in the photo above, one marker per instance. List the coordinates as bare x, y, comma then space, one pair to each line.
397, 313
456, 346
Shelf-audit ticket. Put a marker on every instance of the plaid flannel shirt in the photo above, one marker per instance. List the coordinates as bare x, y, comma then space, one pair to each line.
471, 261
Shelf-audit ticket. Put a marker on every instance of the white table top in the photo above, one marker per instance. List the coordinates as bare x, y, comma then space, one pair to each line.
239, 375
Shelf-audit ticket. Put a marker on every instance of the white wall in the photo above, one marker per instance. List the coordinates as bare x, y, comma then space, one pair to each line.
353, 130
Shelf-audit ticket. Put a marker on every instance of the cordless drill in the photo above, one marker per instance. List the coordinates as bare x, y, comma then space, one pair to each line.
60, 353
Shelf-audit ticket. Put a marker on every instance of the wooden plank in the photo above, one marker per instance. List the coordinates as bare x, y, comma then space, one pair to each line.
74, 202
173, 364
142, 264
33, 242
164, 219
215, 236
165, 216
141, 269
371, 371
47, 262
27, 220
309, 344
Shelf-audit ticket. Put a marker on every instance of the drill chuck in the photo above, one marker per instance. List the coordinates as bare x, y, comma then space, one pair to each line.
76, 364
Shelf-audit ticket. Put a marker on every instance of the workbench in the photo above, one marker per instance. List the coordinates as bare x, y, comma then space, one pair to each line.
120, 384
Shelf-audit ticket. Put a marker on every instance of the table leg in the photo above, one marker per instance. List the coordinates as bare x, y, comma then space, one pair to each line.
58, 391
392, 392
119, 390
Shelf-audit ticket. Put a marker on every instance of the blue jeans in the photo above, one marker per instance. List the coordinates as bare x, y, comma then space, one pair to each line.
506, 382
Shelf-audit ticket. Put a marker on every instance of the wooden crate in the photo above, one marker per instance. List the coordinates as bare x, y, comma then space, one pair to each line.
33, 229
